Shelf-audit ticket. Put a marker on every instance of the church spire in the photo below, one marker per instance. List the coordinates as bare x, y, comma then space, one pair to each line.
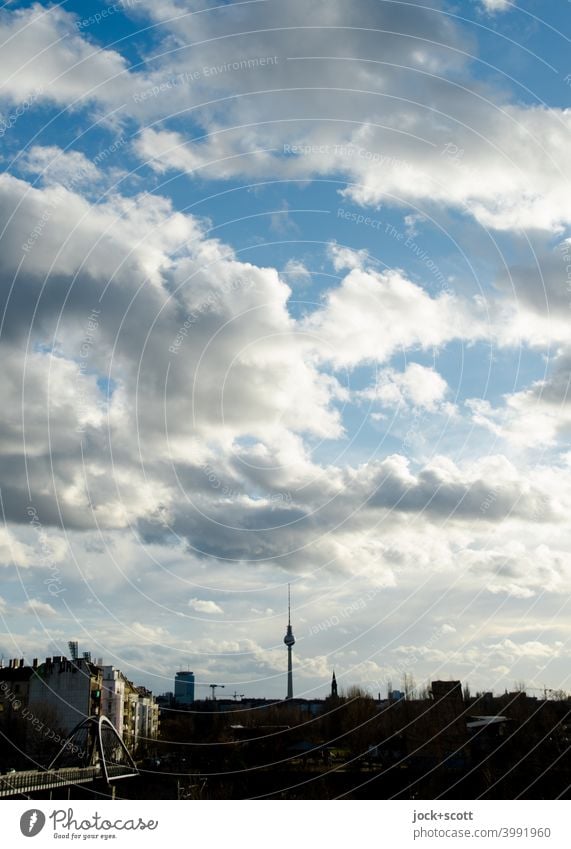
334, 686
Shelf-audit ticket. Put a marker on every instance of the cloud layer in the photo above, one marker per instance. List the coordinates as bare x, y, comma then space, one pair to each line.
208, 395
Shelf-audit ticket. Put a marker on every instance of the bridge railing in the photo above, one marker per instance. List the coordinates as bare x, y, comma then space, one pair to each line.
30, 781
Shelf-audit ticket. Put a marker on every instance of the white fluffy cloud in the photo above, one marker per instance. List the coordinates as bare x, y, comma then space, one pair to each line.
496, 5
204, 606
12, 551
43, 55
417, 386
537, 416
372, 315
207, 362
502, 162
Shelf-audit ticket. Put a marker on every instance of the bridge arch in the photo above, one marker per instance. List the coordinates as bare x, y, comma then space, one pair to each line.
104, 747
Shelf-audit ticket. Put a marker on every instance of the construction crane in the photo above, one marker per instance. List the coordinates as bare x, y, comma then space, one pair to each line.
544, 690
213, 688
237, 695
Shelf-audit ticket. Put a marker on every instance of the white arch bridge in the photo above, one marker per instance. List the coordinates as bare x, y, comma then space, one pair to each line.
94, 753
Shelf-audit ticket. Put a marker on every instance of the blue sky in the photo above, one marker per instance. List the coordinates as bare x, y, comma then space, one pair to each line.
286, 300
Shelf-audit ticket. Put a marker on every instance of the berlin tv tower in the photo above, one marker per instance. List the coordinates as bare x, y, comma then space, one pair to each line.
289, 640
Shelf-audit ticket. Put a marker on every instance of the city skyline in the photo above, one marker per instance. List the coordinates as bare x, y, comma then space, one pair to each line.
286, 301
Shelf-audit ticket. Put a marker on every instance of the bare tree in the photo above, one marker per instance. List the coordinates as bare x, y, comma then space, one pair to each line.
559, 695
408, 685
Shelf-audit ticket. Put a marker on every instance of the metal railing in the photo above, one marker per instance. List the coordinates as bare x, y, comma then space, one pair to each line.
31, 781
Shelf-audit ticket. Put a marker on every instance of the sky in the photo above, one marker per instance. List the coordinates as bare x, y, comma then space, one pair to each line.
285, 299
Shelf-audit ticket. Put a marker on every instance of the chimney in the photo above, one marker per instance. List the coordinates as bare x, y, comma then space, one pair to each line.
21, 662
35, 663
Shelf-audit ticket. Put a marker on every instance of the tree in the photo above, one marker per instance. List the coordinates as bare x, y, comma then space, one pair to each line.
358, 721
408, 685
559, 695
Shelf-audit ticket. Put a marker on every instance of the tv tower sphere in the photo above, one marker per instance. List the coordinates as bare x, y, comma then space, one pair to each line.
289, 638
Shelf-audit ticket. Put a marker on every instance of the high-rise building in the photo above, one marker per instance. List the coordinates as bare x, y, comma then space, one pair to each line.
289, 640
184, 688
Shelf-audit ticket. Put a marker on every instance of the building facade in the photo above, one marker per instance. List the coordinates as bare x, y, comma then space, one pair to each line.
132, 710
71, 689
55, 696
147, 723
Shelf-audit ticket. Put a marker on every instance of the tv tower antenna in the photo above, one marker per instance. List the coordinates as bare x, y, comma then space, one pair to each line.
289, 640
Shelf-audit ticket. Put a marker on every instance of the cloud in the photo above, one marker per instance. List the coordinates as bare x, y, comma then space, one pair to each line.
531, 648
53, 165
204, 319
435, 141
539, 415
43, 51
149, 633
417, 386
262, 496
204, 606
372, 315
496, 5
171, 408
12, 551
453, 145
39, 608
296, 273
195, 291
346, 259
441, 488
519, 570
536, 296
505, 170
